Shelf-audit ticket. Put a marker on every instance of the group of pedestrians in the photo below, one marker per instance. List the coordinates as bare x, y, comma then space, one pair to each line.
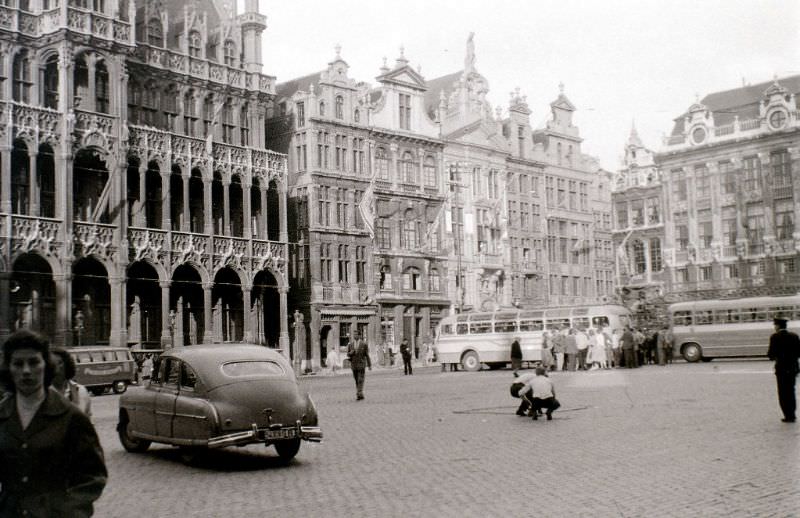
573, 349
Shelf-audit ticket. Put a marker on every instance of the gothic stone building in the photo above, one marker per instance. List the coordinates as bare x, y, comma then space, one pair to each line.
138, 205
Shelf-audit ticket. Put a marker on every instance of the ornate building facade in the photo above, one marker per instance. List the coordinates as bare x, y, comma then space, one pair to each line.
138, 204
727, 176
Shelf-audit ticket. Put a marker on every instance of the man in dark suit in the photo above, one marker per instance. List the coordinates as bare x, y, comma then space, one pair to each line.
784, 349
358, 354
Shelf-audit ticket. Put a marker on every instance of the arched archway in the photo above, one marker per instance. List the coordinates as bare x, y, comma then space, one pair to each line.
89, 178
186, 301
135, 207
227, 306
237, 207
256, 214
273, 212
218, 205
143, 300
196, 202
32, 298
153, 205
20, 178
46, 180
176, 198
265, 309
91, 300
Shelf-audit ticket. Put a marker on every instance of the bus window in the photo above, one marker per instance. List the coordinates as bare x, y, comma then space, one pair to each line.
97, 357
682, 318
726, 316
530, 325
580, 323
505, 326
754, 315
462, 329
557, 323
447, 330
786, 312
599, 322
704, 317
480, 327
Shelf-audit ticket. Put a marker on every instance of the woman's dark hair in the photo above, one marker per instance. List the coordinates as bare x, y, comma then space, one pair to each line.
25, 339
69, 363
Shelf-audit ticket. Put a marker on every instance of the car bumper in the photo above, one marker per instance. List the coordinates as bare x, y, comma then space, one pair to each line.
258, 435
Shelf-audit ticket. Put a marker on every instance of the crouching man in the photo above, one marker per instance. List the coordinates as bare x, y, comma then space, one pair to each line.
539, 391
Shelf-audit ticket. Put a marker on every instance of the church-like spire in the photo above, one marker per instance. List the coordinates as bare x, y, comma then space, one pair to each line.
633, 139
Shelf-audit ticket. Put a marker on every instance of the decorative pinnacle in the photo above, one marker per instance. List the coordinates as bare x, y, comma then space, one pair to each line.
338, 49
561, 87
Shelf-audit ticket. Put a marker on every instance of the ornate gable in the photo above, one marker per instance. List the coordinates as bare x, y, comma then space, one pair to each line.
404, 76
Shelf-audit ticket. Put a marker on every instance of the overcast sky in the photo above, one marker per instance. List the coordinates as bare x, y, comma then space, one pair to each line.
619, 60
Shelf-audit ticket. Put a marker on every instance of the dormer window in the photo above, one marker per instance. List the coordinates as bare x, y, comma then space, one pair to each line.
405, 111
339, 107
229, 53
194, 44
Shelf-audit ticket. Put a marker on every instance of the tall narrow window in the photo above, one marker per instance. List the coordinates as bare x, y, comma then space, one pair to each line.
322, 108
150, 102
781, 165
339, 107
702, 182
50, 85
382, 164
22, 77
301, 115
405, 111
344, 263
430, 171
383, 233
195, 44
361, 264
229, 53
407, 170
155, 33
227, 122
679, 189
189, 113
170, 107
208, 115
751, 167
410, 231
244, 125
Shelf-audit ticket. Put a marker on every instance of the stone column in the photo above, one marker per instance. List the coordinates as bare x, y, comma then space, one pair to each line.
284, 233
5, 308
33, 180
226, 203
140, 210
186, 223
207, 206
247, 210
284, 313
118, 312
263, 223
166, 223
5, 179
63, 284
208, 334
166, 335
248, 322
89, 102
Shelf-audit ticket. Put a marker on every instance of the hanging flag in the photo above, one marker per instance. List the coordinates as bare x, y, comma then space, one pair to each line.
432, 225
367, 209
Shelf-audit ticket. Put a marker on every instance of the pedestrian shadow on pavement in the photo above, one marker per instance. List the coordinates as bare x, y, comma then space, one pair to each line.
225, 459
509, 410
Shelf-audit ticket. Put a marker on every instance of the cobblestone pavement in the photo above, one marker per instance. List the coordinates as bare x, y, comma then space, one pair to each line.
686, 440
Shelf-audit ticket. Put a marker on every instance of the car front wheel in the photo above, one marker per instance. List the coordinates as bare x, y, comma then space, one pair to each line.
119, 387
692, 352
287, 449
130, 443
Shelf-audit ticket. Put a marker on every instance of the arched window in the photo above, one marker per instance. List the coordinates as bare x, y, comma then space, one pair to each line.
81, 82
357, 116
189, 113
412, 280
385, 282
381, 164
195, 44
50, 84
22, 77
407, 171
244, 125
410, 232
170, 107
339, 107
155, 32
229, 53
430, 171
208, 114
101, 88
322, 108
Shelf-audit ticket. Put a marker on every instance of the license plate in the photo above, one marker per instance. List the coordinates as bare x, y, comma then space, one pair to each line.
286, 433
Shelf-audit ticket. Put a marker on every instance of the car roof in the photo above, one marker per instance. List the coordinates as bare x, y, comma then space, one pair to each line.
205, 358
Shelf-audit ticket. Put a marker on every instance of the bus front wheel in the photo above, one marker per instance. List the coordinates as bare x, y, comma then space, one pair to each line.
692, 352
470, 361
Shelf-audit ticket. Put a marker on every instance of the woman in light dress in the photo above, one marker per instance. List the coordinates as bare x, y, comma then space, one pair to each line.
597, 350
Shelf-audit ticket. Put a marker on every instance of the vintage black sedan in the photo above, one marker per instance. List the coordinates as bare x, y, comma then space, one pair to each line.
212, 396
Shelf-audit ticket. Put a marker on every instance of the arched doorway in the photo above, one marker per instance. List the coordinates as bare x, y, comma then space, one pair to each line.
32, 297
265, 309
227, 306
186, 306
143, 302
91, 301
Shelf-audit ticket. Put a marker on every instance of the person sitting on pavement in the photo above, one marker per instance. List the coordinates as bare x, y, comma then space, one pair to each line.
542, 394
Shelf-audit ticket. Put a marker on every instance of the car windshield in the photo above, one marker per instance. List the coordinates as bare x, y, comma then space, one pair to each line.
252, 368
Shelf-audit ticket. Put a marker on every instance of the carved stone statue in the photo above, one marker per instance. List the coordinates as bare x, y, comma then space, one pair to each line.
469, 60
135, 323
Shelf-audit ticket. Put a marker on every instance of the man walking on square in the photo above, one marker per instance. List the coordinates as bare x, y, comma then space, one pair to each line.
628, 344
358, 354
405, 351
784, 349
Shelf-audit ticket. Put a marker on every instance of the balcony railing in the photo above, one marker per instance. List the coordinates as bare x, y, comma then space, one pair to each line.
729, 251
782, 191
77, 19
748, 125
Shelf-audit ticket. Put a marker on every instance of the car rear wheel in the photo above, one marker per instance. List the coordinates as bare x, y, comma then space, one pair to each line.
119, 387
130, 443
287, 449
692, 352
471, 362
